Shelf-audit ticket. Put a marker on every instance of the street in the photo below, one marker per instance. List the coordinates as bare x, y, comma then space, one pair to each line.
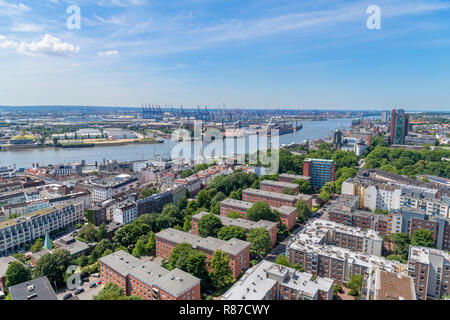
88, 293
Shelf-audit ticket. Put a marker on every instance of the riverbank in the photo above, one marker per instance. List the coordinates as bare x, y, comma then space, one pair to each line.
22, 147
156, 151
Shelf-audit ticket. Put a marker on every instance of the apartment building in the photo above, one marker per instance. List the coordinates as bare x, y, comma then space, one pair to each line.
14, 234
415, 219
321, 171
277, 186
155, 203
426, 202
331, 233
288, 214
385, 285
102, 192
430, 269
248, 225
345, 211
337, 263
150, 281
237, 250
274, 199
270, 281
126, 213
192, 183
285, 177
147, 279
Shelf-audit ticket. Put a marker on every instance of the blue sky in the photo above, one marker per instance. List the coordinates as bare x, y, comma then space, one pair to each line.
254, 53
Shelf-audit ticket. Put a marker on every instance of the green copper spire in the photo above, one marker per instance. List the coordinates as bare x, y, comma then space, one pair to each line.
47, 243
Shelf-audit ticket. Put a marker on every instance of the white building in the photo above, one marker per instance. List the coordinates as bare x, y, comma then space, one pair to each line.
126, 214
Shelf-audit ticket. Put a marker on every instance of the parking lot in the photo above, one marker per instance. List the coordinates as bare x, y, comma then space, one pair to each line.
88, 293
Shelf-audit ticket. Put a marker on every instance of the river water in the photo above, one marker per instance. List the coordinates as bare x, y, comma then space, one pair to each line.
26, 158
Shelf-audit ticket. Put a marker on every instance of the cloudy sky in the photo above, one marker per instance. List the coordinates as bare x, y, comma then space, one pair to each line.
241, 53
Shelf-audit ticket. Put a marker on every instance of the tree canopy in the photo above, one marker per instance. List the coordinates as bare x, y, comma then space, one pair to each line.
262, 211
222, 274
260, 242
228, 232
17, 273
209, 226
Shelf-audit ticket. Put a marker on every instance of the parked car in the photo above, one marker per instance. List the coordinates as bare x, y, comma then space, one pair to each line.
96, 275
99, 282
67, 296
79, 291
92, 285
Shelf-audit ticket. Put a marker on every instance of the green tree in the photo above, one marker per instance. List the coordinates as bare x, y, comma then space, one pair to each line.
222, 274
234, 215
282, 260
37, 246
186, 173
83, 261
329, 187
101, 232
401, 243
304, 186
140, 249
148, 192
324, 196
16, 274
423, 238
151, 243
182, 203
262, 211
345, 159
260, 242
53, 266
200, 167
228, 232
303, 211
89, 233
288, 191
355, 284
110, 292
209, 225
195, 264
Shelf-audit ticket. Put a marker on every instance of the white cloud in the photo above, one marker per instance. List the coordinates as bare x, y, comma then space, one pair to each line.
24, 27
49, 45
10, 9
108, 53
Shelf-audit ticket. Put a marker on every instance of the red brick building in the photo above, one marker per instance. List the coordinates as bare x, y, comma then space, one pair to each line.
277, 186
237, 250
148, 280
288, 214
248, 225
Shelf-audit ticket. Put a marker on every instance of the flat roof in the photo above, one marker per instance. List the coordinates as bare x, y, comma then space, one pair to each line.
232, 246
40, 287
28, 217
176, 282
293, 176
280, 184
121, 261
74, 247
394, 286
276, 195
4, 264
258, 281
243, 223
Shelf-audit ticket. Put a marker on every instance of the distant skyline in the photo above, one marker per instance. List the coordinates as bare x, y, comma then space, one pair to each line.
309, 54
